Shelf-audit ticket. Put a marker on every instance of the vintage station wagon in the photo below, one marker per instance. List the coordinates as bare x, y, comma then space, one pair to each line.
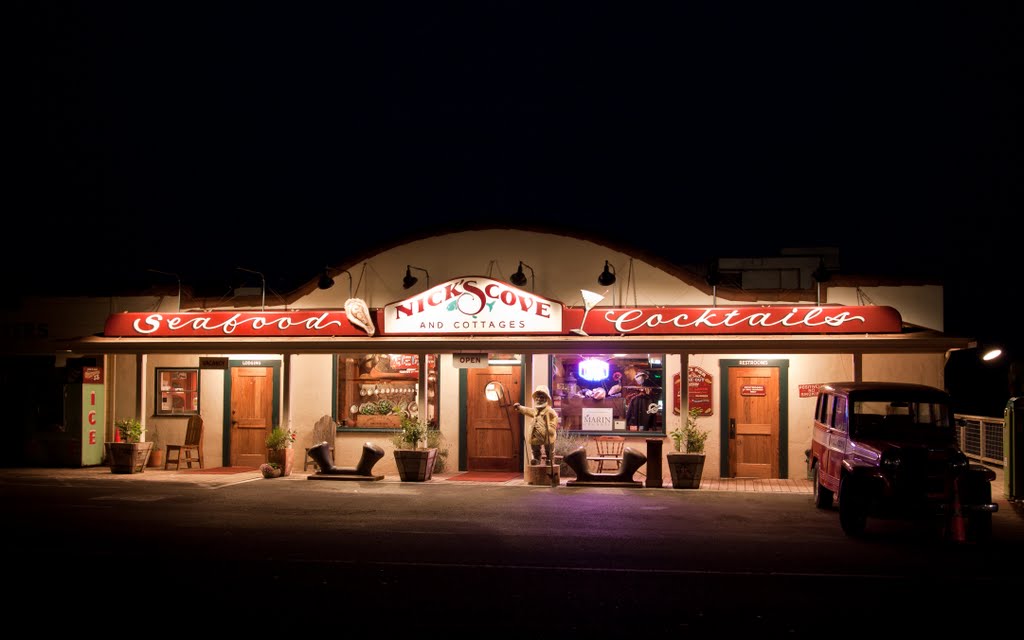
889, 450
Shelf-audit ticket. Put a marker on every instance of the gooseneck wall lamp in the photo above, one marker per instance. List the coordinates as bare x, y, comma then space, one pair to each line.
519, 278
173, 275
409, 280
263, 287
607, 278
326, 281
821, 274
713, 277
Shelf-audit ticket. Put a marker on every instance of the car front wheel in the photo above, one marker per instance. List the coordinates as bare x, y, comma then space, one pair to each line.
822, 496
853, 517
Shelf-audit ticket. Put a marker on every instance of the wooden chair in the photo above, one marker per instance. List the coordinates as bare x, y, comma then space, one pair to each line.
609, 452
191, 450
325, 430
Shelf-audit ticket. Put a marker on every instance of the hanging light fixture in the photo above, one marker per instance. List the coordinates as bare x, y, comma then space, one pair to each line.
607, 278
519, 278
409, 280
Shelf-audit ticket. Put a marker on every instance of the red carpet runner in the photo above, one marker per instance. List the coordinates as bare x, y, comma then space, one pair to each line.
487, 476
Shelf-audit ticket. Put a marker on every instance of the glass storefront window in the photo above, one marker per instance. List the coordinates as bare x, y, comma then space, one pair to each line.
177, 392
375, 390
600, 392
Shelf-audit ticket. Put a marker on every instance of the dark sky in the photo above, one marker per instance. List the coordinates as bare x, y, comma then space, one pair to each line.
196, 137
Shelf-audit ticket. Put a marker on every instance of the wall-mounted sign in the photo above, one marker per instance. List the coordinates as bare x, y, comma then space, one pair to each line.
809, 390
758, 320
699, 387
220, 324
473, 305
752, 390
469, 360
213, 363
597, 419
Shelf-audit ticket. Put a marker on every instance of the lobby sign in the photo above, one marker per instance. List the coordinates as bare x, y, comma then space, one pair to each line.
473, 305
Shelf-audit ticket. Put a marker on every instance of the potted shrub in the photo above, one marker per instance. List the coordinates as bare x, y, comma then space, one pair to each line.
156, 453
414, 464
279, 449
129, 455
435, 440
686, 461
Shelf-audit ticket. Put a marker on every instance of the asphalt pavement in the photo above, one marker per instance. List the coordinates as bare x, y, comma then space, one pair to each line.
248, 555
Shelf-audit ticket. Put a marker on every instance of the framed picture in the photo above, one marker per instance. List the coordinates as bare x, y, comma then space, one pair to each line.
177, 392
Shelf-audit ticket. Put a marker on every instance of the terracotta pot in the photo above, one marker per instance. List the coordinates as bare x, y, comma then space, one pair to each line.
284, 459
156, 457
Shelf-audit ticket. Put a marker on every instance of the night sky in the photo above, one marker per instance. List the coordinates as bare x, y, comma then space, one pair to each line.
197, 137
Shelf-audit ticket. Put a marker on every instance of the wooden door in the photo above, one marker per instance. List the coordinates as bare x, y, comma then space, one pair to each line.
754, 422
494, 439
252, 414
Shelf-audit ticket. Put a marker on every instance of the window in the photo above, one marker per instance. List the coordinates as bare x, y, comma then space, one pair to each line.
595, 392
375, 390
177, 392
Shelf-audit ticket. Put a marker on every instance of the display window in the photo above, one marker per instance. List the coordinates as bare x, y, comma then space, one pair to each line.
177, 392
376, 390
609, 393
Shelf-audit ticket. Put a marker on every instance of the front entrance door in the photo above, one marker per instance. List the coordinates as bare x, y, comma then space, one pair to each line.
753, 422
494, 439
252, 414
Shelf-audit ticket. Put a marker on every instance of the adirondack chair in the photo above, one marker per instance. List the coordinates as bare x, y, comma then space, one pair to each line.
191, 450
325, 430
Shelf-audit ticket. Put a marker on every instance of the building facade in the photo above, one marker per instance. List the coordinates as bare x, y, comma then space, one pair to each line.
626, 345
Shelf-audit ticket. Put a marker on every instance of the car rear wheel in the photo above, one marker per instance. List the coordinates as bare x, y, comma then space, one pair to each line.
822, 496
853, 517
979, 527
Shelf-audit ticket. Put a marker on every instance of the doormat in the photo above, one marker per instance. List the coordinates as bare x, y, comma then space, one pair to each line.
487, 476
221, 470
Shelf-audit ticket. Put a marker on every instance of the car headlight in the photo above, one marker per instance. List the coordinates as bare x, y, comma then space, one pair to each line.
890, 461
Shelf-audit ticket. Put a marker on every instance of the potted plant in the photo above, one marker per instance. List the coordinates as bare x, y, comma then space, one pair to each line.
129, 455
279, 449
414, 464
686, 461
435, 440
270, 470
156, 453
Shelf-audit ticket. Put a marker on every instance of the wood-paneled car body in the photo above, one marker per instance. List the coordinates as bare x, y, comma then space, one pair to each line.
889, 450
